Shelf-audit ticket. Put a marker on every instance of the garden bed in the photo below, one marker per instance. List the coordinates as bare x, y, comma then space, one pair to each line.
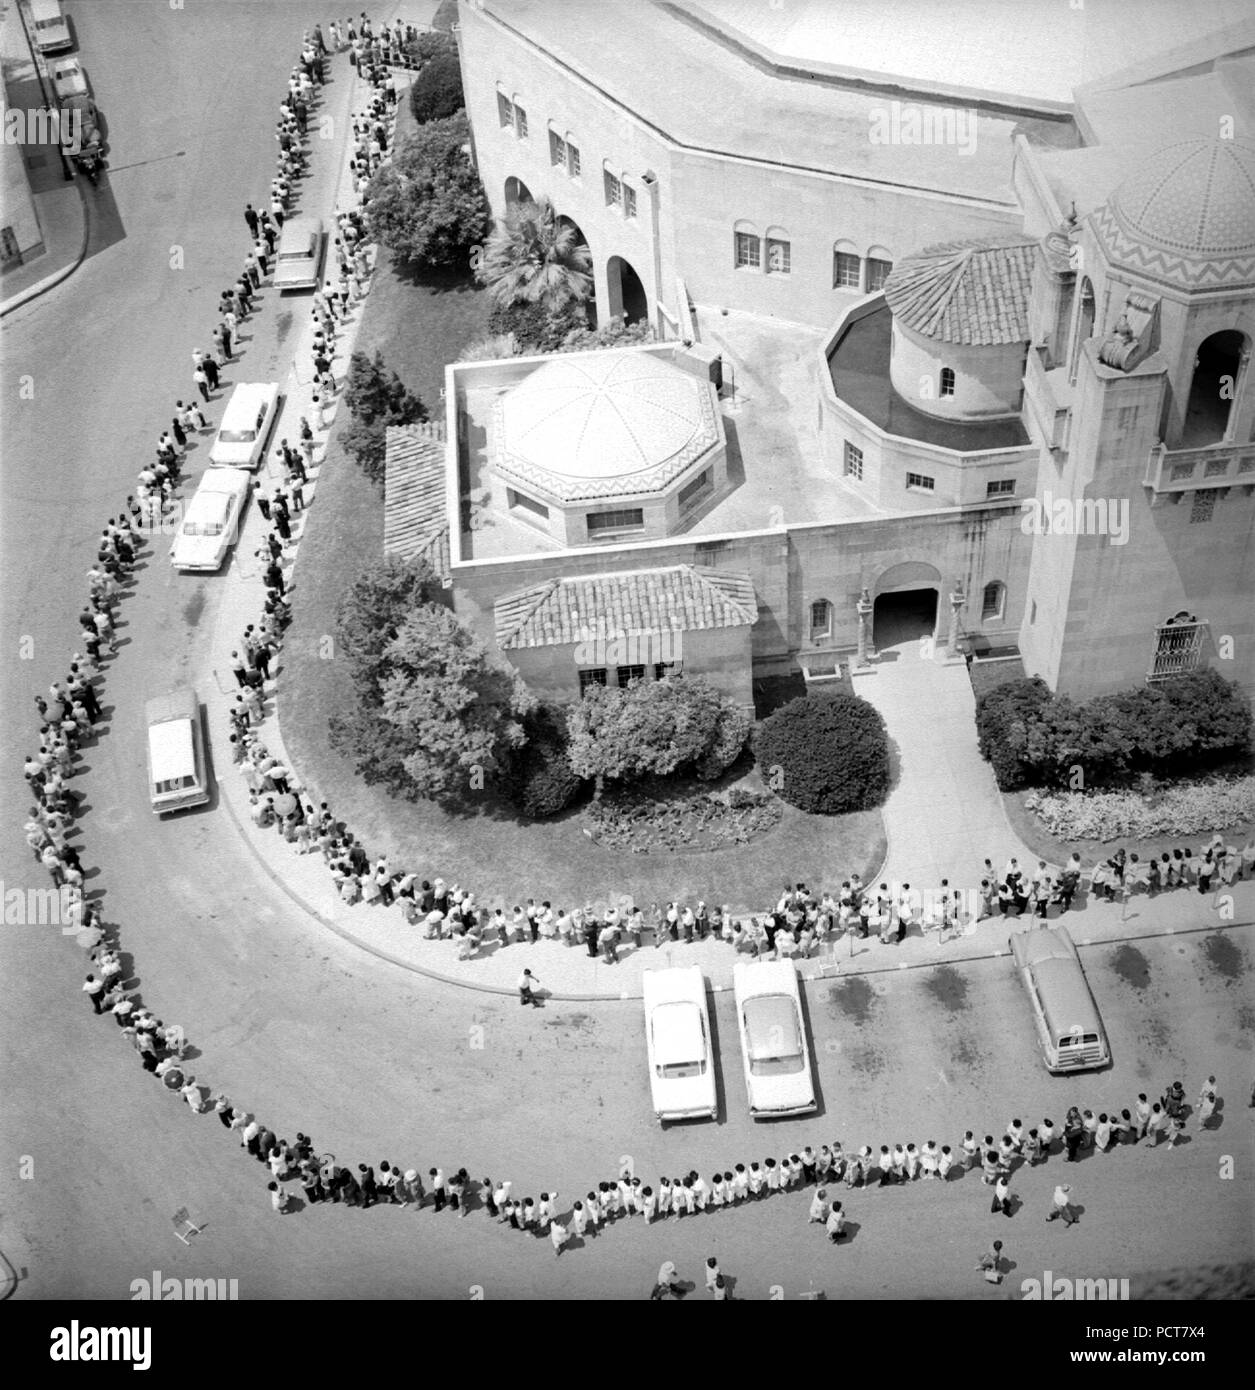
663, 817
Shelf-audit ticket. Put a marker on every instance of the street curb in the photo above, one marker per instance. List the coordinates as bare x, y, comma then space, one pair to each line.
52, 281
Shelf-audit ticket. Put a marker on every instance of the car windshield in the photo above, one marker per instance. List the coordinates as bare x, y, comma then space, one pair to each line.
775, 1045
1078, 1040
202, 528
236, 436
302, 254
175, 784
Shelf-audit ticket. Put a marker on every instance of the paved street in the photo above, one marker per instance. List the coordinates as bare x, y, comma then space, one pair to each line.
375, 1061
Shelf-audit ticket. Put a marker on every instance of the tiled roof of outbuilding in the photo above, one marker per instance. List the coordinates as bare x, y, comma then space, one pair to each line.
973, 292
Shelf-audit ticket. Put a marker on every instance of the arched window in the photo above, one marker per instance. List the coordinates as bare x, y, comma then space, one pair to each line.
779, 251
747, 246
993, 600
947, 382
879, 265
847, 267
821, 619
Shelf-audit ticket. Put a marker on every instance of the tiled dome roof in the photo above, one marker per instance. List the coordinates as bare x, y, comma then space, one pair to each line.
603, 424
1186, 216
973, 292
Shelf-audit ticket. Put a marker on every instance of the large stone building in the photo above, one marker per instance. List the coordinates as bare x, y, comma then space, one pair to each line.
1030, 402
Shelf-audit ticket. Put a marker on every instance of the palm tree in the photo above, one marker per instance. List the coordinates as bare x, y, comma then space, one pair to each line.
533, 258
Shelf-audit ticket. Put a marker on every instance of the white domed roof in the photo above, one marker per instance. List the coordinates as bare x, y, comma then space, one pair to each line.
1186, 216
603, 424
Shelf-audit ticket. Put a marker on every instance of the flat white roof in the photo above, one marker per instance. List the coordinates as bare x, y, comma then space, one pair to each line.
171, 750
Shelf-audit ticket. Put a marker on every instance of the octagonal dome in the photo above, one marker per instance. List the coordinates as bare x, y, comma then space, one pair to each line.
1186, 217
605, 424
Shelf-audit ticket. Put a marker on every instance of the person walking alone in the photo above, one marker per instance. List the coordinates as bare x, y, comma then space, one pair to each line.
1061, 1206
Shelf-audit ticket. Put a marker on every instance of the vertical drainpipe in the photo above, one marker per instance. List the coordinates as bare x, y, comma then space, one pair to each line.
650, 180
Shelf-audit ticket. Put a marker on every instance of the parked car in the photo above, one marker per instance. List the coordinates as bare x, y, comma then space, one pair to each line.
677, 1037
773, 1039
1069, 1029
177, 773
80, 125
52, 29
211, 523
68, 78
246, 424
302, 249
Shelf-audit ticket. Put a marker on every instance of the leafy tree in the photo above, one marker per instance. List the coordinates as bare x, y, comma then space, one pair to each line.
430, 44
532, 258
654, 728
436, 92
1216, 709
376, 398
373, 609
433, 713
535, 325
428, 205
830, 753
540, 780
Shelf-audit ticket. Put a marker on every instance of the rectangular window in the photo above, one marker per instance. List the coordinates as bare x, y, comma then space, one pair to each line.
821, 618
622, 519
520, 122
1203, 504
1000, 487
921, 482
557, 150
505, 111
663, 669
614, 190
748, 250
572, 160
594, 675
853, 462
877, 274
630, 673
522, 502
629, 200
845, 268
778, 257
697, 489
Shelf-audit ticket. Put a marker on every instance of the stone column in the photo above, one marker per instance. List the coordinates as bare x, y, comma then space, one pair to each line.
957, 599
865, 607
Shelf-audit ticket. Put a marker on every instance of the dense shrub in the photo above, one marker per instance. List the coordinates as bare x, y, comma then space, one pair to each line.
535, 325
1001, 716
825, 754
1033, 738
376, 398
436, 92
540, 780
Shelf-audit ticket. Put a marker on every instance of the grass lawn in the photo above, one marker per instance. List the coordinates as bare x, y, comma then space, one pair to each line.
418, 325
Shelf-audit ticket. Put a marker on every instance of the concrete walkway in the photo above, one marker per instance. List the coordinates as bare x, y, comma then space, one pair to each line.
944, 815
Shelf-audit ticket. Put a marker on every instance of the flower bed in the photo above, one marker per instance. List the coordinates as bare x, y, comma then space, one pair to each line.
647, 819
1183, 808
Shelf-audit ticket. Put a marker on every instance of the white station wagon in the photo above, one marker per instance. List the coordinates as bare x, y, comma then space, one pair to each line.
677, 1034
773, 1039
211, 523
246, 424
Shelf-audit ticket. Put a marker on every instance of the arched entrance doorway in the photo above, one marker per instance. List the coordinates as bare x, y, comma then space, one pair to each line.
1216, 370
590, 304
627, 293
905, 611
516, 191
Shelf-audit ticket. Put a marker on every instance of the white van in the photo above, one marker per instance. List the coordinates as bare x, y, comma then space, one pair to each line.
1070, 1032
177, 774
52, 30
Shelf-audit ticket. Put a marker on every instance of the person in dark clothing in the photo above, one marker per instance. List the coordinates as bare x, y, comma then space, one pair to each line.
591, 933
250, 216
370, 1190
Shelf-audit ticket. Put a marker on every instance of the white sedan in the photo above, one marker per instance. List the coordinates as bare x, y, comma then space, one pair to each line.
773, 1039
677, 1036
68, 78
246, 424
211, 523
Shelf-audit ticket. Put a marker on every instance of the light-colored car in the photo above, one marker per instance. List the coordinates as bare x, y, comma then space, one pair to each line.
677, 1036
178, 776
246, 424
211, 523
52, 29
773, 1039
68, 78
302, 250
1070, 1031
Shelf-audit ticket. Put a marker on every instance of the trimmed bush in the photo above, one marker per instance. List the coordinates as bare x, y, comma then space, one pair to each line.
436, 92
540, 780
825, 754
1001, 728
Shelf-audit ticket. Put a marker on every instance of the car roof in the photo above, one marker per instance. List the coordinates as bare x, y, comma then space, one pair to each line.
242, 407
677, 1031
171, 749
774, 1015
220, 480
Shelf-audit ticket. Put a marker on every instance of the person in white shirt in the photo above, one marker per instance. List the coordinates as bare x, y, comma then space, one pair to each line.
835, 1224
579, 1219
928, 1159
819, 1207
546, 1210
664, 1197
712, 1273
740, 1183
559, 1237
649, 1204
945, 1161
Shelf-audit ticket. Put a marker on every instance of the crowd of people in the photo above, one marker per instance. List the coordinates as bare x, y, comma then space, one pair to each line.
71, 716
